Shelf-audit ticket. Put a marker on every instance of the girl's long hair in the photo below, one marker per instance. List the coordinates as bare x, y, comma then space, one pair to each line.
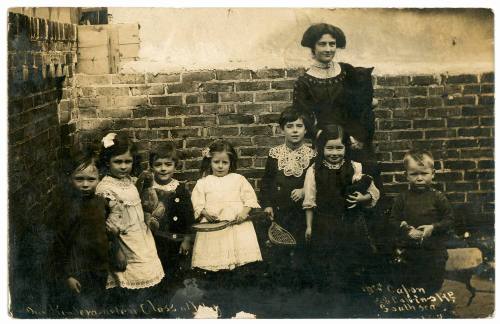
217, 147
330, 132
121, 145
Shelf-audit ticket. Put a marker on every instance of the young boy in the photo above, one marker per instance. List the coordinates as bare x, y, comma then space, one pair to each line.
422, 216
173, 239
282, 193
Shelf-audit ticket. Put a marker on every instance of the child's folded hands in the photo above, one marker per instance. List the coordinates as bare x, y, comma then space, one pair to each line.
358, 197
415, 234
426, 230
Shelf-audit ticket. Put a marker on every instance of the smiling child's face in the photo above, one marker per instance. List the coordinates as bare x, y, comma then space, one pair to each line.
163, 169
334, 151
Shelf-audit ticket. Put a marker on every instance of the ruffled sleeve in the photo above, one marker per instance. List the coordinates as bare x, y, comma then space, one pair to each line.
247, 194
309, 189
198, 198
115, 222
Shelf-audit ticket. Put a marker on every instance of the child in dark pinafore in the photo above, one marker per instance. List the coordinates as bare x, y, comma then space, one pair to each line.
282, 194
422, 216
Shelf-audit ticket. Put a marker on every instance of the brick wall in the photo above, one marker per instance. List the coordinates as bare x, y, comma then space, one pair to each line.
41, 61
451, 115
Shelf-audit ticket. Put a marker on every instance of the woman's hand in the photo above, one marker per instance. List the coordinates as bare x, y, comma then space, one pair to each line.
426, 230
308, 234
241, 217
358, 197
74, 285
208, 217
185, 246
270, 212
297, 194
415, 234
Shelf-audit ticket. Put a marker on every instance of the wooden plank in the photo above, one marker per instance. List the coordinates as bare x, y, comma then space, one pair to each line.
100, 66
91, 36
113, 49
128, 33
129, 50
88, 53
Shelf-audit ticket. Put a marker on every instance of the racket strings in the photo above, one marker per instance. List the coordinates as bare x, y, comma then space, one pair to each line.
279, 235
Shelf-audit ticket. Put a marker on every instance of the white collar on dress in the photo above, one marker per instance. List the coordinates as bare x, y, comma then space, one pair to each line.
171, 186
324, 70
333, 166
292, 162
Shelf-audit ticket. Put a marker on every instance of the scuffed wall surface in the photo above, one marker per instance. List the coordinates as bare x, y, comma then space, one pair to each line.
394, 41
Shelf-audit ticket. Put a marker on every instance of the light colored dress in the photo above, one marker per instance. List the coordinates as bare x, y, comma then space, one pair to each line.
235, 245
144, 268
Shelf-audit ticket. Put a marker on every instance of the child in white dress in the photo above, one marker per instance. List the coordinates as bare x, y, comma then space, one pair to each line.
220, 195
143, 268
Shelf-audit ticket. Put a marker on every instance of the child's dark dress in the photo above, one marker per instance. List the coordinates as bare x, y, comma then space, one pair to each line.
423, 263
341, 247
285, 171
82, 246
175, 225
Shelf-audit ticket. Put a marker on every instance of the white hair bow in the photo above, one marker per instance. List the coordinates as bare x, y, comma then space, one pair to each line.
108, 140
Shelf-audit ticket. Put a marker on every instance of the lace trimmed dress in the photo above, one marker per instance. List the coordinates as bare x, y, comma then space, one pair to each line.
235, 245
144, 268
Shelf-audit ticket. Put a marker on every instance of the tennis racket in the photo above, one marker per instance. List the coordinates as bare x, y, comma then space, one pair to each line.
171, 236
280, 236
217, 226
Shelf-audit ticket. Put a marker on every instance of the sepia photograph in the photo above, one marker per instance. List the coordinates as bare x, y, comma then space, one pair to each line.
250, 163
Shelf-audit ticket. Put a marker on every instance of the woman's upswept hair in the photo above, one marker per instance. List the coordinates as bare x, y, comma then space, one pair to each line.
218, 146
329, 132
121, 144
314, 33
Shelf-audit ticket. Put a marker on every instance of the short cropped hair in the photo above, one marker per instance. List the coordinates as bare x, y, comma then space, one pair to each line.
291, 114
313, 34
422, 157
164, 151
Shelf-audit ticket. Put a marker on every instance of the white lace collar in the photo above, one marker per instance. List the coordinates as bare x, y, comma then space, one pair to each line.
292, 162
171, 186
333, 166
324, 70
121, 183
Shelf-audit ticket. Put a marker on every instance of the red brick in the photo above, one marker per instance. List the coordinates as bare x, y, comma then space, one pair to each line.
463, 122
252, 108
256, 130
488, 77
128, 79
460, 164
395, 188
487, 185
394, 103
393, 80
472, 89
254, 151
233, 75
93, 102
479, 175
455, 197
475, 132
461, 186
252, 86
192, 164
269, 118
486, 100
145, 134
268, 74
94, 124
199, 142
245, 162
240, 141
428, 123
185, 132
477, 111
114, 113
129, 123
237, 97
486, 142
86, 92
223, 131
231, 119
423, 80
163, 78
157, 89
382, 136
85, 80
441, 133
383, 93
462, 143
476, 153
383, 113
217, 87
272, 96
147, 111
218, 109
181, 87
426, 102
126, 101
444, 112
166, 100
456, 101
409, 113
188, 175
487, 121
487, 88
200, 121
279, 107
449, 176
164, 122
268, 140
481, 196
109, 91
436, 91
462, 78
202, 98
184, 110
198, 76
394, 146
282, 85
394, 124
